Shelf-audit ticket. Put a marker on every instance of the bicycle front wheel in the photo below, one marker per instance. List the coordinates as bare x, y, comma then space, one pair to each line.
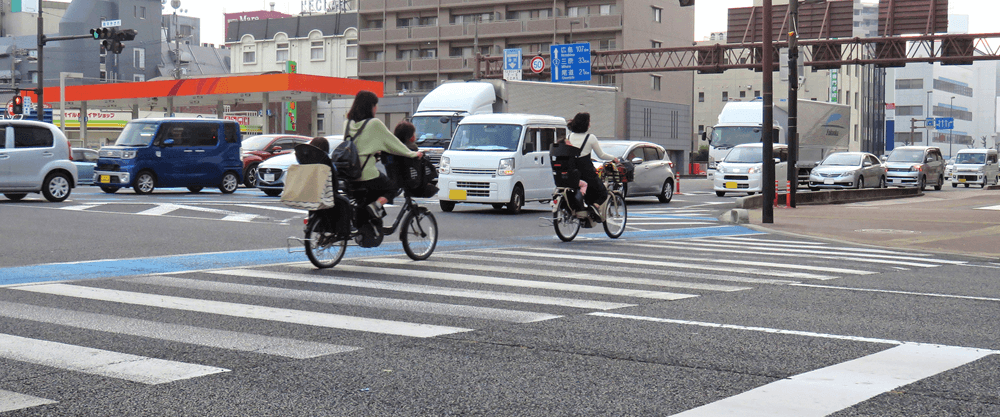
419, 234
566, 223
616, 216
321, 247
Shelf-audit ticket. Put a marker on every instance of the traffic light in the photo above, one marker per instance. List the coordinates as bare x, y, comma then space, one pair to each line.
685, 3
113, 37
18, 105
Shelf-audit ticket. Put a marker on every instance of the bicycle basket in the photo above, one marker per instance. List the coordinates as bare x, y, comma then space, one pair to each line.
612, 173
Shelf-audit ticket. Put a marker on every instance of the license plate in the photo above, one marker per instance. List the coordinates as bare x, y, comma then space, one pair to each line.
828, 181
105, 178
893, 180
731, 185
458, 195
269, 177
961, 180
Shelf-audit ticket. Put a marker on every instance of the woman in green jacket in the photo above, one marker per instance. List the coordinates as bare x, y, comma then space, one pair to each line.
374, 138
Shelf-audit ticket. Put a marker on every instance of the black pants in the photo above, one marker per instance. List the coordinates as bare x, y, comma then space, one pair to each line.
381, 186
596, 192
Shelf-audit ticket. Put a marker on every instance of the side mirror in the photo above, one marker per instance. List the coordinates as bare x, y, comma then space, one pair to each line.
276, 149
777, 160
636, 161
883, 158
444, 119
168, 142
867, 164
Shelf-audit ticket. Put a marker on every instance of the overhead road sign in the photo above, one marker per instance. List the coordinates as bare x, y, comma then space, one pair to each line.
570, 62
512, 64
944, 123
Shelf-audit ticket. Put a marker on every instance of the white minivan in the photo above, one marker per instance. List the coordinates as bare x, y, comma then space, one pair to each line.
976, 166
499, 159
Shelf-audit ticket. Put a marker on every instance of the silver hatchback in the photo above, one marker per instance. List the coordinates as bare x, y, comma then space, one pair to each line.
654, 172
918, 166
848, 170
35, 158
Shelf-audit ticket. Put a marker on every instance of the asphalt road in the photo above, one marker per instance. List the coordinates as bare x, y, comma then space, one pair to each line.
179, 304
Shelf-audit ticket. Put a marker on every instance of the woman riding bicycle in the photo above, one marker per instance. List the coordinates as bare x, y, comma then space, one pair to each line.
374, 138
578, 137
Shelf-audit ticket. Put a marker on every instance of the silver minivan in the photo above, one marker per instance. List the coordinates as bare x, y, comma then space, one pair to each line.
918, 166
35, 157
976, 166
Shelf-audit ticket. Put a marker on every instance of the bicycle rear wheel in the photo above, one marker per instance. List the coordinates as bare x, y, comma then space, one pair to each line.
419, 234
566, 223
321, 247
616, 216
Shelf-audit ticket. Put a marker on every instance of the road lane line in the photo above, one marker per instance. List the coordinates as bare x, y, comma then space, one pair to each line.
274, 208
759, 263
827, 390
588, 276
922, 294
10, 401
791, 244
487, 313
246, 342
618, 258
706, 247
106, 363
310, 318
521, 283
159, 210
424, 289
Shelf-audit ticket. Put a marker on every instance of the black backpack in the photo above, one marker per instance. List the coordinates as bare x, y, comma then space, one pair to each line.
345, 156
564, 159
417, 176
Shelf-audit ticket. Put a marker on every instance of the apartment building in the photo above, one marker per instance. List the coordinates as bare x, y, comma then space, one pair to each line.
412, 46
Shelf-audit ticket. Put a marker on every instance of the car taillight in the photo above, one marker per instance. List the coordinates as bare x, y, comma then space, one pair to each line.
671, 164
70, 148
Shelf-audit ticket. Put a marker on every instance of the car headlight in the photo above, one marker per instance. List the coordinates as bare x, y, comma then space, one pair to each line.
128, 154
755, 170
444, 167
506, 167
916, 168
711, 163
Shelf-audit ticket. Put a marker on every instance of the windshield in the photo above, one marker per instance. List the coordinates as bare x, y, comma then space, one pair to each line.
842, 159
616, 150
475, 137
431, 130
906, 155
256, 143
970, 158
747, 155
728, 136
137, 134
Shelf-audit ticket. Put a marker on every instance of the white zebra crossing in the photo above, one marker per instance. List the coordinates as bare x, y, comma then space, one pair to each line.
10, 401
729, 249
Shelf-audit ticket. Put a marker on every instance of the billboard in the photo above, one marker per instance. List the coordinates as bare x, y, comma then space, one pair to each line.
248, 16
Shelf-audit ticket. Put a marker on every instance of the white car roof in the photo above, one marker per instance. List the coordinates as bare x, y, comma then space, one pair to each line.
514, 119
760, 145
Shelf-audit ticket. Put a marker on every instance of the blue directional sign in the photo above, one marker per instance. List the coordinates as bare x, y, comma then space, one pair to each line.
944, 123
929, 122
570, 62
512, 64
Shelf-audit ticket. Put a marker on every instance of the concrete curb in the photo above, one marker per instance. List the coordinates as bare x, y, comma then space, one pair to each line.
832, 197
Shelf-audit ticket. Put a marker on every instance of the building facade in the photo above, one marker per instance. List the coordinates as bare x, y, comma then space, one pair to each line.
412, 46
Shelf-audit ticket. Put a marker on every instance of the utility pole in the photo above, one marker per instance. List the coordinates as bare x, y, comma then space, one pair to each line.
793, 101
767, 188
40, 91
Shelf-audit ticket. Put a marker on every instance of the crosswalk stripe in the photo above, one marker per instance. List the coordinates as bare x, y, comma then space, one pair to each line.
297, 349
351, 299
334, 321
274, 208
590, 276
159, 210
80, 207
840, 250
627, 269
770, 241
765, 264
100, 362
790, 244
619, 258
425, 289
708, 247
632, 222
10, 401
546, 285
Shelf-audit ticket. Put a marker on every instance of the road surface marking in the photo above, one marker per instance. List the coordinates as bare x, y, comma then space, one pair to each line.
708, 247
922, 294
619, 258
759, 263
297, 349
827, 390
424, 289
795, 245
100, 362
844, 251
486, 313
589, 276
310, 318
10, 401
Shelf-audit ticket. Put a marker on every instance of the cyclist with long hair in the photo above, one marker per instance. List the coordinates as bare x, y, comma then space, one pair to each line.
578, 137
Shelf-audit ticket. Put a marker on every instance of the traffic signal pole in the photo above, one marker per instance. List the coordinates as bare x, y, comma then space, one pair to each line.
767, 127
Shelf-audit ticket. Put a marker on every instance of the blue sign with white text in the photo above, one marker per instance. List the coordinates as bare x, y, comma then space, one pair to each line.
512, 59
944, 123
570, 62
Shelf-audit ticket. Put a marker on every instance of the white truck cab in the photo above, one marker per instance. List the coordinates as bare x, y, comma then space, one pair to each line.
499, 159
441, 110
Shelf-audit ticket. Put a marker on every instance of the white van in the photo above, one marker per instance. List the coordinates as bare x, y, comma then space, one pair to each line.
976, 166
499, 159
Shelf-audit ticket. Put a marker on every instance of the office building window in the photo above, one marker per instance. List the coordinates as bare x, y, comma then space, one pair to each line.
607, 9
249, 54
725, 96
426, 85
428, 53
577, 11
404, 86
352, 48
743, 94
607, 44
429, 21
701, 96
656, 82
376, 56
909, 110
281, 53
316, 50
655, 44
910, 84
139, 58
657, 14
374, 24
138, 78
321, 123
756, 93
140, 11
608, 79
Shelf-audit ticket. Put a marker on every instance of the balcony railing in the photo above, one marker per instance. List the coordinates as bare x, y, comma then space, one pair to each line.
488, 30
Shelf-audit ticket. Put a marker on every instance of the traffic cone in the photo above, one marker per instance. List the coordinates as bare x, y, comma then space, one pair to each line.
678, 185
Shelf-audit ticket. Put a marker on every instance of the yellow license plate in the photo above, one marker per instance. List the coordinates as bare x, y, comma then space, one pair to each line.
458, 195
105, 178
731, 185
961, 180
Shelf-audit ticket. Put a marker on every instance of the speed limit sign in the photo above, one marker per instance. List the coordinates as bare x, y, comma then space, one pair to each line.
537, 64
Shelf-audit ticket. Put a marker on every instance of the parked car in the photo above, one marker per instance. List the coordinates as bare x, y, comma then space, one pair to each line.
271, 173
654, 172
257, 149
85, 161
848, 170
976, 166
949, 170
172, 152
35, 157
915, 166
742, 170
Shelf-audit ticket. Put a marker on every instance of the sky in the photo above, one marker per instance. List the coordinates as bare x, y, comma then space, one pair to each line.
710, 15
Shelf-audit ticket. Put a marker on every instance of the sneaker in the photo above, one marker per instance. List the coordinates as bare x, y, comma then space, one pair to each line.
375, 210
602, 209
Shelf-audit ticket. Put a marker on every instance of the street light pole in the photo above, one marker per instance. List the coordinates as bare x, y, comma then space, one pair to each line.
571, 23
951, 138
930, 113
767, 125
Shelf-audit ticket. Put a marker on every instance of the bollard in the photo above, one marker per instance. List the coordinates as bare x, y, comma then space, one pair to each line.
788, 194
678, 183
775, 193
